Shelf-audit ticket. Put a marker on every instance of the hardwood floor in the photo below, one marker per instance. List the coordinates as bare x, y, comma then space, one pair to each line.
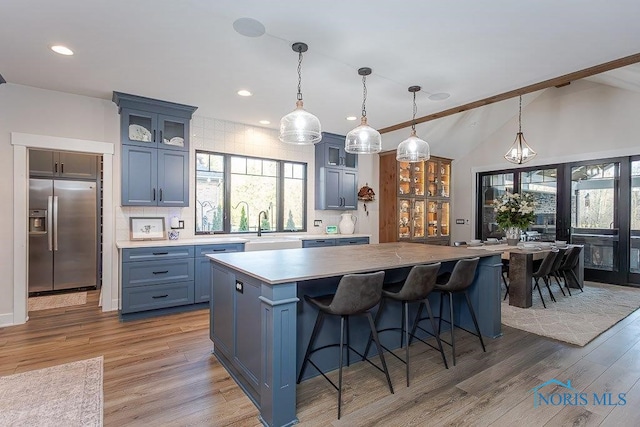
160, 372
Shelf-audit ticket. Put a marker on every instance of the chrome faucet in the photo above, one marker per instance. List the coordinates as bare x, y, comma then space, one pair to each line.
260, 223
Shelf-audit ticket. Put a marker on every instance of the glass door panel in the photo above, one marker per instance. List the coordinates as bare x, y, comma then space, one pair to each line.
542, 184
493, 187
444, 218
419, 210
404, 178
594, 222
432, 219
445, 171
634, 219
418, 178
432, 178
404, 218
172, 132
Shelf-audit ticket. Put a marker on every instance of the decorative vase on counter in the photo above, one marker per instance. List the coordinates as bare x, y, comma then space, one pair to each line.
347, 224
513, 235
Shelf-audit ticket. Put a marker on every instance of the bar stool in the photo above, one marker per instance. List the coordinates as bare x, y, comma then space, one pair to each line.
461, 278
543, 272
417, 287
570, 262
356, 295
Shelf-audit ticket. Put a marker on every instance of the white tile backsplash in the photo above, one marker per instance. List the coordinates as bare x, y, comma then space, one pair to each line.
236, 138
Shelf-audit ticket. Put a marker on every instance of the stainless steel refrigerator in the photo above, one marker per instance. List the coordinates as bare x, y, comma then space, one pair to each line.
62, 234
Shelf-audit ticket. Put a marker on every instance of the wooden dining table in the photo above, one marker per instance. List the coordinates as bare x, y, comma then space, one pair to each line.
521, 269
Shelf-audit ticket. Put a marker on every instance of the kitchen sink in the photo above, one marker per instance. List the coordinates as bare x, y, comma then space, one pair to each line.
268, 243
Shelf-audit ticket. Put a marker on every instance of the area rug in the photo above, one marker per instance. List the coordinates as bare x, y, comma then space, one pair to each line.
57, 301
63, 395
576, 319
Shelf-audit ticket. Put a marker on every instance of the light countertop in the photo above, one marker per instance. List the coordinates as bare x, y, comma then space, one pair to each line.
222, 239
291, 265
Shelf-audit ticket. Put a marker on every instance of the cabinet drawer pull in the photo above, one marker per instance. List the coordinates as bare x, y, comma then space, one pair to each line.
320, 241
161, 253
219, 250
160, 296
61, 167
161, 272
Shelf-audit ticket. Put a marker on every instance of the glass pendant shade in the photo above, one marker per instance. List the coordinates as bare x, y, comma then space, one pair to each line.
519, 152
413, 149
363, 140
300, 127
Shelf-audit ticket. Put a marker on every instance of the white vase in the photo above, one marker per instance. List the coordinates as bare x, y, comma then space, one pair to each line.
347, 224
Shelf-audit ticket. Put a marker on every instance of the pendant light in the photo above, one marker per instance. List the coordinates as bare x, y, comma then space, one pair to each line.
363, 139
520, 152
299, 126
413, 149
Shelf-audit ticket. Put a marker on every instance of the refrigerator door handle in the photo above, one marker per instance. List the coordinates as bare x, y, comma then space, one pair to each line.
50, 222
55, 223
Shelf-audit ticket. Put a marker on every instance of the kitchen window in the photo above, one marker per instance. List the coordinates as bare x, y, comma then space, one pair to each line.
232, 191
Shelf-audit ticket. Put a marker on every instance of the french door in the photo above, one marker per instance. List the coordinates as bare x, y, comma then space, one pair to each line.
591, 203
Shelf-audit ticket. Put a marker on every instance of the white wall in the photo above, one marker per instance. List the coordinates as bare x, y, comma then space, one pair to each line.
577, 122
31, 110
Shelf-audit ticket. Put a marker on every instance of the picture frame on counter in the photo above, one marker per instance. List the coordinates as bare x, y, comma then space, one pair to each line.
147, 228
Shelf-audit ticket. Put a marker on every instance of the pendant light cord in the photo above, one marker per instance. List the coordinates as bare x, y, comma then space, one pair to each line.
300, 74
364, 96
415, 110
520, 117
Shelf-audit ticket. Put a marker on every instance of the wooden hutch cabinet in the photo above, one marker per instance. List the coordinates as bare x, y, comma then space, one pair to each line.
415, 200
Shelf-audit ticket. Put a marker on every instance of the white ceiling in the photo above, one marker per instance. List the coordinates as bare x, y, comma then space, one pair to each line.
187, 51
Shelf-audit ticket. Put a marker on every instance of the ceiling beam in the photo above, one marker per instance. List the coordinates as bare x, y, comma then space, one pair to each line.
556, 81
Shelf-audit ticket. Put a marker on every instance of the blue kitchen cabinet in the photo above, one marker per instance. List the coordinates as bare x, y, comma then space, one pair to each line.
152, 177
157, 278
203, 267
155, 151
336, 175
338, 241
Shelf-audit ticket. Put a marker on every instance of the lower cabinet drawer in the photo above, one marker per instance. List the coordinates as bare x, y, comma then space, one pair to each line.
150, 297
318, 243
353, 241
161, 271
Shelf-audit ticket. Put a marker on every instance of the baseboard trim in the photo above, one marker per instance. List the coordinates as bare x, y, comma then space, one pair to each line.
6, 320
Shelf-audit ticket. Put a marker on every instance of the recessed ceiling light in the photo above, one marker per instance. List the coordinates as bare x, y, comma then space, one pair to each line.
351, 118
62, 50
264, 122
248, 27
439, 96
244, 92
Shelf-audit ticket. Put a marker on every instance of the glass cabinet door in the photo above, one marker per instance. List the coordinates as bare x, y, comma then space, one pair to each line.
444, 219
419, 210
432, 219
432, 178
445, 177
140, 127
404, 178
172, 131
404, 218
634, 219
418, 179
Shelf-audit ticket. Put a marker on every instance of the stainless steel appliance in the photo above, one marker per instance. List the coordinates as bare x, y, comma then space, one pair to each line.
62, 234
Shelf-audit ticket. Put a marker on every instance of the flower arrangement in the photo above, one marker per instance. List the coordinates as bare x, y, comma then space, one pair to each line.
514, 210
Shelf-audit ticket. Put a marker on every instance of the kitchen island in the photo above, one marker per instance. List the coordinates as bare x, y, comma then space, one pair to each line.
260, 325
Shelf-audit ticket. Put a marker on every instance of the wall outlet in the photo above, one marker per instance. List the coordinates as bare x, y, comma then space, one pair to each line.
317, 222
459, 221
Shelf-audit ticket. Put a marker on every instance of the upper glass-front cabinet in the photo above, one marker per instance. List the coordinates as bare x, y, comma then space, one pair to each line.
439, 178
155, 130
411, 179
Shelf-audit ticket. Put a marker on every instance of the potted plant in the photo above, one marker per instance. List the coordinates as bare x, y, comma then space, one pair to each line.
514, 213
